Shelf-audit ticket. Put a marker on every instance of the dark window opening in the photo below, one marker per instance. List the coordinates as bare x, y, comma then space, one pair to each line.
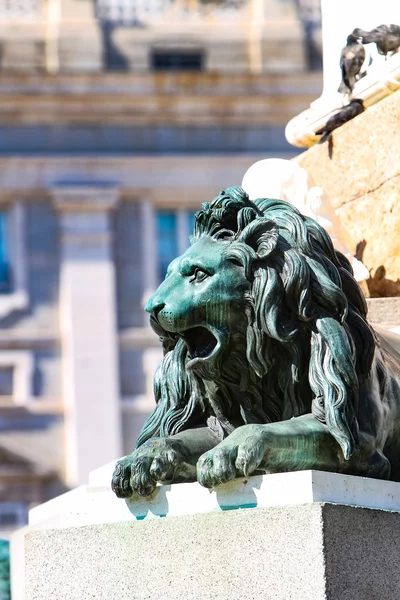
177, 60
5, 274
13, 514
191, 221
9, 519
6, 381
167, 241
113, 57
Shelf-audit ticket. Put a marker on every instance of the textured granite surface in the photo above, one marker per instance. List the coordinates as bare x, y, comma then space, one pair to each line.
252, 553
306, 552
362, 180
362, 553
384, 311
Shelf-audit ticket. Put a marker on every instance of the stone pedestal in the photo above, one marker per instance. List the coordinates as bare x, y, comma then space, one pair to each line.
315, 551
303, 536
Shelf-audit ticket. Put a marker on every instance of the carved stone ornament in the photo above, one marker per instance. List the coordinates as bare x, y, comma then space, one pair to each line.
269, 362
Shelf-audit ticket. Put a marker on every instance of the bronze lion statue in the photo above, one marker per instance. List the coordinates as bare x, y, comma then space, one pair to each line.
269, 362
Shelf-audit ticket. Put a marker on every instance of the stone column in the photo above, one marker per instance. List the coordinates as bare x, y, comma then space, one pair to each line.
88, 329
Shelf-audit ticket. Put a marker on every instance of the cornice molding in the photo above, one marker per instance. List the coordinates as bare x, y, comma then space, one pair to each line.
85, 198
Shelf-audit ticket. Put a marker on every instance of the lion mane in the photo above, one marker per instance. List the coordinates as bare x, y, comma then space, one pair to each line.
305, 345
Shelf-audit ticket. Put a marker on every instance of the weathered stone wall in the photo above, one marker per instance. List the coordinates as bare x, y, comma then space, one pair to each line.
362, 180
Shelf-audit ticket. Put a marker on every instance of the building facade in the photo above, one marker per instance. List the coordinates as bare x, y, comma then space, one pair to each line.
117, 120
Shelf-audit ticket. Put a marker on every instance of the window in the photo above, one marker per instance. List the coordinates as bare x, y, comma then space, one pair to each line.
6, 381
190, 220
13, 272
173, 231
16, 375
13, 514
167, 241
5, 283
177, 60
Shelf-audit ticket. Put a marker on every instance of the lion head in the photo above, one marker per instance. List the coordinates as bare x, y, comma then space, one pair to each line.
261, 320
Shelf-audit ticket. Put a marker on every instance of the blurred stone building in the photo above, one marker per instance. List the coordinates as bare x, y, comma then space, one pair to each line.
117, 119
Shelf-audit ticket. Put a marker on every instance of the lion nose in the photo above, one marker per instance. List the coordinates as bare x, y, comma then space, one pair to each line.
154, 306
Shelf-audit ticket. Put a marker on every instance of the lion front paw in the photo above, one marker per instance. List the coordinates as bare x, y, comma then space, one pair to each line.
121, 479
158, 460
240, 454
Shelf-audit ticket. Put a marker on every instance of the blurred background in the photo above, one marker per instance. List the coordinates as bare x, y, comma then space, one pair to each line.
117, 119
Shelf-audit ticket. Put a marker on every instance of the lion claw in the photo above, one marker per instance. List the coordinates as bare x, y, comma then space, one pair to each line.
240, 454
158, 460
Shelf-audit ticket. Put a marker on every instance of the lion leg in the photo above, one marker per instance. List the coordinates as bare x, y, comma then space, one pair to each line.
295, 445
161, 460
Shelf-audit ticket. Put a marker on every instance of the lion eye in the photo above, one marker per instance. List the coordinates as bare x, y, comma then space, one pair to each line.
199, 275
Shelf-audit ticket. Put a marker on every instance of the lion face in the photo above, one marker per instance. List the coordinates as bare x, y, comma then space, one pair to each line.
202, 300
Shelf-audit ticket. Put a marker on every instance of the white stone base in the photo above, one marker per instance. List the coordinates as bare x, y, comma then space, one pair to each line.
242, 537
95, 503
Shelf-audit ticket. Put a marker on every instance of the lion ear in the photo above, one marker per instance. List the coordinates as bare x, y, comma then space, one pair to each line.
262, 235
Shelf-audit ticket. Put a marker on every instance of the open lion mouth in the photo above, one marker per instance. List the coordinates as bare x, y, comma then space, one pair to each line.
200, 342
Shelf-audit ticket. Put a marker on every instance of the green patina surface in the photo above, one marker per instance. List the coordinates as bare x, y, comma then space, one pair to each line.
269, 362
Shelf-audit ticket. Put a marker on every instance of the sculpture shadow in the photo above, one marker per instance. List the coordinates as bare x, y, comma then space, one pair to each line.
380, 286
360, 249
113, 58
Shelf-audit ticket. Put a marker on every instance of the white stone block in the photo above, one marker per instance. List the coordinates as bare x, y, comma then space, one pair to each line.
96, 503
